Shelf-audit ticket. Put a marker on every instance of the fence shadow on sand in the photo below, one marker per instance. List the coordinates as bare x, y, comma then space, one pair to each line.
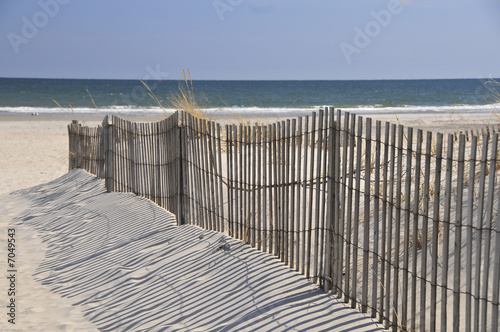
399, 223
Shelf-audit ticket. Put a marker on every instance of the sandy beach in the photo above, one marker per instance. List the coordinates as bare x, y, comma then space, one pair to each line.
85, 260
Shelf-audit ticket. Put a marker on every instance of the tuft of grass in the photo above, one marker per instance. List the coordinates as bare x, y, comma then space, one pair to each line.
493, 87
186, 99
55, 101
152, 95
70, 107
93, 102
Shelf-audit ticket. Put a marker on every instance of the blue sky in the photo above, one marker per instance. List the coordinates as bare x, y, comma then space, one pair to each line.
250, 39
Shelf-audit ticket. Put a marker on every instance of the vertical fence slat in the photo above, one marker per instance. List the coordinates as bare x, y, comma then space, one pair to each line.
282, 189
152, 139
254, 183
280, 136
138, 158
265, 185
131, 154
211, 171
376, 216
201, 173
258, 190
407, 215
106, 152
304, 195
425, 227
397, 231
195, 216
322, 230
470, 216
331, 203
148, 162
111, 155
357, 195
457, 249
71, 143
246, 185
337, 208
293, 229
102, 150
488, 228
237, 169
190, 142
275, 182
367, 211
158, 164
158, 175
496, 271
416, 241
271, 187
446, 232
348, 234
311, 196
481, 194
286, 190
184, 195
388, 303
318, 192
343, 216
216, 178
435, 230
384, 311
298, 207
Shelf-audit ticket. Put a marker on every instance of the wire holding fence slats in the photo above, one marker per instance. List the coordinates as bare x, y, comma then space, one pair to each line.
404, 229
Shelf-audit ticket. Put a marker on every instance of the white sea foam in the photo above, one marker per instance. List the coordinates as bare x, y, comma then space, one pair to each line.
425, 109
262, 111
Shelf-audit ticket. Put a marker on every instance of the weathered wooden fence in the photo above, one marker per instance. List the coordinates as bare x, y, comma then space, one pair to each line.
490, 129
399, 223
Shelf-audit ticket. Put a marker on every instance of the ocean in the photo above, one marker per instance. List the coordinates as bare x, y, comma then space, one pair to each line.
55, 96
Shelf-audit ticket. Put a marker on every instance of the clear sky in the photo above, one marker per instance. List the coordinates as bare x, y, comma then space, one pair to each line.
250, 39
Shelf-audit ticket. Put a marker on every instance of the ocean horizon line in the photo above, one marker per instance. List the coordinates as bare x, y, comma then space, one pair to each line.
254, 80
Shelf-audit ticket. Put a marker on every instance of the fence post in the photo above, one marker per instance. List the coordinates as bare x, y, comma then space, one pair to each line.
331, 146
100, 152
180, 188
72, 152
108, 155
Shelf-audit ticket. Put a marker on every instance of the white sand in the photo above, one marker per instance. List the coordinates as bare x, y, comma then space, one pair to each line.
86, 259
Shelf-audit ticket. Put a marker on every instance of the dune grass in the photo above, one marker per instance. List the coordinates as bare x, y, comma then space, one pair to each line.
186, 99
493, 87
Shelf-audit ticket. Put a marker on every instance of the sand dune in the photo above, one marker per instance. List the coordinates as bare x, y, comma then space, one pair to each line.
92, 260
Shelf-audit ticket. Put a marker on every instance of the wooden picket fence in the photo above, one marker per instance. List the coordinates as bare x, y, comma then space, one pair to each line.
400, 223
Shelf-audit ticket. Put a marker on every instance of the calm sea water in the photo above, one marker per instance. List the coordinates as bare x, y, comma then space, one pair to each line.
260, 97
